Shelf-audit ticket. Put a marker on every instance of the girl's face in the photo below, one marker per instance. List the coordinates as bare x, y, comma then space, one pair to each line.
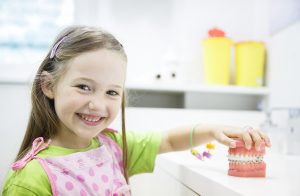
88, 96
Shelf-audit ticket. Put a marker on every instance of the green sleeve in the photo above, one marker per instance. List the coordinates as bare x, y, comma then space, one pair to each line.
16, 190
31, 180
143, 148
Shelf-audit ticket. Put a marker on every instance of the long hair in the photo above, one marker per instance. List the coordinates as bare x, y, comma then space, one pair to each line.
43, 120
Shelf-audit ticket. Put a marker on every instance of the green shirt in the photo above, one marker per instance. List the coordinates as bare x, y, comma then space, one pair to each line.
32, 179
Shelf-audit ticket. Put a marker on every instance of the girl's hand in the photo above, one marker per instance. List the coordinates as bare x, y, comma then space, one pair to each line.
226, 134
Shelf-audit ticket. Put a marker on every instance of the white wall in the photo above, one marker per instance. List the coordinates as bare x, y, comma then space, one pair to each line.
283, 14
284, 70
155, 31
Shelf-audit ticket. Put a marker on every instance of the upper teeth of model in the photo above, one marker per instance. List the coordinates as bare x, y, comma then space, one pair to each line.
245, 158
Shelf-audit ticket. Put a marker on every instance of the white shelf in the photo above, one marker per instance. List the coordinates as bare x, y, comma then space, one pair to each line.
180, 88
196, 96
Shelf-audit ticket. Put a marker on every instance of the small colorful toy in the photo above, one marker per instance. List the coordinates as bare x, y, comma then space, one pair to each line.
204, 154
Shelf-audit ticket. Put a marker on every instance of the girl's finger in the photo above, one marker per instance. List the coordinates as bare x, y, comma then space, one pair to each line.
256, 138
223, 139
264, 137
233, 133
247, 139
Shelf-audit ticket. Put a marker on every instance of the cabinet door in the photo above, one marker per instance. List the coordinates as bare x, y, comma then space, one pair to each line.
159, 183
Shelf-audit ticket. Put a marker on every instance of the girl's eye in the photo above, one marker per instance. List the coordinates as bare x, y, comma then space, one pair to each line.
112, 93
84, 87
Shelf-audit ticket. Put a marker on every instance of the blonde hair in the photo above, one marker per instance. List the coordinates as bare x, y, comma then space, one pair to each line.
71, 42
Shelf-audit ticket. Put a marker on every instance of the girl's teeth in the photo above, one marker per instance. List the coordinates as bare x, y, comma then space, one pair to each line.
90, 119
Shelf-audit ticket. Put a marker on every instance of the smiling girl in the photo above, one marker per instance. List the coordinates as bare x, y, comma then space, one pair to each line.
68, 148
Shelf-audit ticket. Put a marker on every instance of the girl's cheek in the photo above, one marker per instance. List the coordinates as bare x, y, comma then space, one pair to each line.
74, 102
78, 101
116, 107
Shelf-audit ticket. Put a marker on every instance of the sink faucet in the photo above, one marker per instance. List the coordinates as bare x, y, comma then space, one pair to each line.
283, 129
293, 113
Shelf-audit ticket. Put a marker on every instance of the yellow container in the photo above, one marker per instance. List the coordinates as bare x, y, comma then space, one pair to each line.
250, 62
216, 56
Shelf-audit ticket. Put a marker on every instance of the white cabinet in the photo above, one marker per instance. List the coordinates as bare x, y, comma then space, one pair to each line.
159, 183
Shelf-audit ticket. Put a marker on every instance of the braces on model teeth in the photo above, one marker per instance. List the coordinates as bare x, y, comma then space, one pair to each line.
245, 159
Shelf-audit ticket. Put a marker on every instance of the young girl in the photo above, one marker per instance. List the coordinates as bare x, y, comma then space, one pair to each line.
68, 148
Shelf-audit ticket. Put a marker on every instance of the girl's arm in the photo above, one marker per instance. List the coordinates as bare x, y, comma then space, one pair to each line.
178, 138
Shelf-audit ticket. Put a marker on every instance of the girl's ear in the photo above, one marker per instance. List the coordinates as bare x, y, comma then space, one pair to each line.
47, 84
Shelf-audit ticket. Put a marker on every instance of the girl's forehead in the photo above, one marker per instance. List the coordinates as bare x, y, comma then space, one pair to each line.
98, 64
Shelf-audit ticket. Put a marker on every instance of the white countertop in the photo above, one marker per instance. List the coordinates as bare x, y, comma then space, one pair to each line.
210, 177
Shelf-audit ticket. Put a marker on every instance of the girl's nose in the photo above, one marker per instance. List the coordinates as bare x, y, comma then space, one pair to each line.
96, 105
91, 105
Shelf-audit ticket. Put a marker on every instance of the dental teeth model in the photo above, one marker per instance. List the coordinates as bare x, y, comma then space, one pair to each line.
246, 163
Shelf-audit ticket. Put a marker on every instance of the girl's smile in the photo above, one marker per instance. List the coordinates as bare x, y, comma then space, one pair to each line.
90, 120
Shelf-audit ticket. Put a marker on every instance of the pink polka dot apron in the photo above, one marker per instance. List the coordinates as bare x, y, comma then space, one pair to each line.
95, 172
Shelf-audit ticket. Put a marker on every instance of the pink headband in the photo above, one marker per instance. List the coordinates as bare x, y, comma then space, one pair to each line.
53, 51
